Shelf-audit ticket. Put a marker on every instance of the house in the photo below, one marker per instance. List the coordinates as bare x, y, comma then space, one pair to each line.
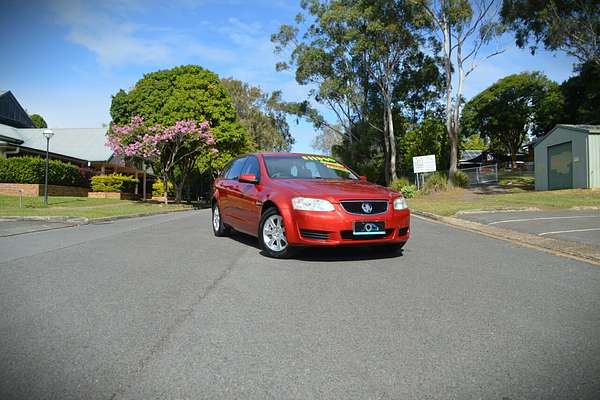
473, 158
568, 157
84, 147
11, 112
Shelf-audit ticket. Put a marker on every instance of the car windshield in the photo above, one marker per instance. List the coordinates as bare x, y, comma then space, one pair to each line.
307, 167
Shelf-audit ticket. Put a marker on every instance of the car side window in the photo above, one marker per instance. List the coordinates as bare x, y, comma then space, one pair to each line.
225, 171
251, 167
236, 168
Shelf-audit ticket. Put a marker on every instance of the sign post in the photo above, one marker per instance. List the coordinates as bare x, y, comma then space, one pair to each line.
422, 165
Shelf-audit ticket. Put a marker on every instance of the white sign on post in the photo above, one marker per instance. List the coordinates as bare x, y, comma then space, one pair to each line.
424, 164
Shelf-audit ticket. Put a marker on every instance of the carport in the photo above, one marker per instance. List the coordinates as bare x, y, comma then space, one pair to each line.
568, 157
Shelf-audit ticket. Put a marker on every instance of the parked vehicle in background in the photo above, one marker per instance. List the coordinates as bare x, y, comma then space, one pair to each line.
295, 200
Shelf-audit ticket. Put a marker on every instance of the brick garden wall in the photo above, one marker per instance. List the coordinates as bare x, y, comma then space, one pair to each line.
33, 190
113, 195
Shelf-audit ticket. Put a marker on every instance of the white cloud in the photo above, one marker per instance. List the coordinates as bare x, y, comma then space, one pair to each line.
115, 32
104, 29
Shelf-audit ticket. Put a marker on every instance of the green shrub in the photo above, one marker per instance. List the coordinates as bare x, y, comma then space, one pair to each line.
398, 183
436, 182
461, 179
114, 183
408, 191
158, 189
33, 170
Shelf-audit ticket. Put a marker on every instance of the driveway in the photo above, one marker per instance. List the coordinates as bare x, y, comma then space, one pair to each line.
581, 226
157, 308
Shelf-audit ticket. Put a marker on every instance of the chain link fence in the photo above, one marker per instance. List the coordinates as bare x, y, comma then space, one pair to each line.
484, 174
488, 174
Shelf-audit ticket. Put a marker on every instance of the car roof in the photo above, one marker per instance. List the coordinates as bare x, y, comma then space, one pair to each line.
284, 154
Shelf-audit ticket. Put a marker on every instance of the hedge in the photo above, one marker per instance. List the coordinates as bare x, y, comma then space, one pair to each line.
114, 183
32, 170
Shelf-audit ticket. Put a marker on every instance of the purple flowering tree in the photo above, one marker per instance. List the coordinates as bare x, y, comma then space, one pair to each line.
168, 149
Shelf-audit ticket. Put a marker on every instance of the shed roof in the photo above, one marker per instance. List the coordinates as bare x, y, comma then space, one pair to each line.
468, 155
587, 129
83, 143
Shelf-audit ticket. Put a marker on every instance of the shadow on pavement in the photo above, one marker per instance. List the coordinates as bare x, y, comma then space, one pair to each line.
324, 254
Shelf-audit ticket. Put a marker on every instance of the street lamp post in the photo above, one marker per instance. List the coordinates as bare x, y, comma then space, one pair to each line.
48, 135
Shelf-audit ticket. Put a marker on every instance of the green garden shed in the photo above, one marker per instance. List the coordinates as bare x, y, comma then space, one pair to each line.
568, 157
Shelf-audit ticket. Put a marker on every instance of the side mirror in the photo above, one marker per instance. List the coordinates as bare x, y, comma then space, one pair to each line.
362, 178
248, 178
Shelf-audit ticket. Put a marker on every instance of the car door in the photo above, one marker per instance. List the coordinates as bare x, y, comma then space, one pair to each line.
229, 192
249, 193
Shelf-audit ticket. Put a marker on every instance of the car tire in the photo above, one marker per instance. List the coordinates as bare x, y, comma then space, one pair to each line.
271, 235
219, 228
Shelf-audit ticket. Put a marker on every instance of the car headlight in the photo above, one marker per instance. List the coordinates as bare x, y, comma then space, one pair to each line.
400, 203
308, 204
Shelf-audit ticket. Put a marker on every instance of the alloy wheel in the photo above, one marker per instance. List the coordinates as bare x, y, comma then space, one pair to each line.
274, 234
216, 218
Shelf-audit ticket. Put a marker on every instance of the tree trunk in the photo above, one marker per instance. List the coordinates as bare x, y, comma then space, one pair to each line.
450, 131
179, 188
453, 141
166, 188
386, 150
178, 192
392, 141
144, 185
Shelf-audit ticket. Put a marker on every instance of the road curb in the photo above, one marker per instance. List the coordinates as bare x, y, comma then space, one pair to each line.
498, 210
64, 220
119, 217
564, 248
78, 221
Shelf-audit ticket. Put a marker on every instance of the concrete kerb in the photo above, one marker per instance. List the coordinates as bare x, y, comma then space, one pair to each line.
498, 210
63, 220
77, 221
565, 248
119, 217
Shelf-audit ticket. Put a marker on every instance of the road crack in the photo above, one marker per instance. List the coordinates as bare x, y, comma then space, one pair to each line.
159, 346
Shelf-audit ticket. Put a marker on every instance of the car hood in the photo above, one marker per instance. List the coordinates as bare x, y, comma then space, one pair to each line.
335, 190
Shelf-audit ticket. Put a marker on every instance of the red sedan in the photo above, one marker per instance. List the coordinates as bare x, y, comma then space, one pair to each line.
296, 200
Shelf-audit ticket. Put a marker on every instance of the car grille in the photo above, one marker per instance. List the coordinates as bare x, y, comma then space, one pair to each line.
319, 235
349, 235
356, 206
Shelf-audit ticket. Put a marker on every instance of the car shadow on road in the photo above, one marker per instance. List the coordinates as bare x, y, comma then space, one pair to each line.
323, 254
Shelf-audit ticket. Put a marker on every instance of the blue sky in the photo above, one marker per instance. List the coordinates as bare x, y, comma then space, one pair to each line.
64, 59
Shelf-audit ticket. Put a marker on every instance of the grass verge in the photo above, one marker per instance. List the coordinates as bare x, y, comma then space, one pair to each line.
453, 201
80, 207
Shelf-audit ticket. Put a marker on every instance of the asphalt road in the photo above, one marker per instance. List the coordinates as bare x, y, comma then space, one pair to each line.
156, 308
581, 226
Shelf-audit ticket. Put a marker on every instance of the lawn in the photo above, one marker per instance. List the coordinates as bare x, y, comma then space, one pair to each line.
453, 201
80, 207
525, 182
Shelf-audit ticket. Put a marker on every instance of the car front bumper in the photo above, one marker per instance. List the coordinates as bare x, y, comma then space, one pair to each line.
335, 228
